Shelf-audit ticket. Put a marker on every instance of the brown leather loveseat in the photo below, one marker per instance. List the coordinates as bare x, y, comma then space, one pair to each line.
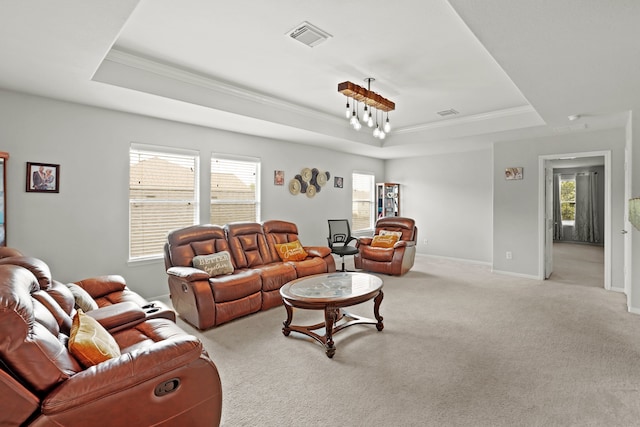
158, 374
394, 259
248, 271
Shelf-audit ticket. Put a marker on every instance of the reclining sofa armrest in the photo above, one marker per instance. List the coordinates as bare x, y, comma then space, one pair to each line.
364, 241
102, 285
189, 274
317, 251
115, 315
123, 373
404, 244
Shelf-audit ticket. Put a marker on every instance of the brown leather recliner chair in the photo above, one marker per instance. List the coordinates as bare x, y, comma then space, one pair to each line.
396, 260
163, 377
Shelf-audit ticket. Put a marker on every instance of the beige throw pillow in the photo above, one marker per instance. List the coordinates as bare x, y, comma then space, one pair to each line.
214, 264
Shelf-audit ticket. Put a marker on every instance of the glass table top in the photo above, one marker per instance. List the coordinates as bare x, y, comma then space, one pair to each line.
335, 285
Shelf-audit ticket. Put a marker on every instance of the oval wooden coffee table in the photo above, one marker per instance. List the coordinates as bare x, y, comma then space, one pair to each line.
331, 292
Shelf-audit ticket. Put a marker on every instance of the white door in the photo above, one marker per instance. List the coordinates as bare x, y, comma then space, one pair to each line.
548, 197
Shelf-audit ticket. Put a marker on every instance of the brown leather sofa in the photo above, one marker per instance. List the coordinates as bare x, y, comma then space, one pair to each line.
396, 260
162, 377
258, 272
104, 291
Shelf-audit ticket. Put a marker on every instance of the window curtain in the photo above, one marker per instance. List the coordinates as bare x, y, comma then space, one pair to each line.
586, 228
557, 214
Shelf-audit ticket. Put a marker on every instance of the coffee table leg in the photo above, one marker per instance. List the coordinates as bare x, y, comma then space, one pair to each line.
330, 316
286, 330
376, 310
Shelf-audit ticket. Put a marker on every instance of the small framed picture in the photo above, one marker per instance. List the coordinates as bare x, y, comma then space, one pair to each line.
278, 177
337, 181
513, 173
43, 178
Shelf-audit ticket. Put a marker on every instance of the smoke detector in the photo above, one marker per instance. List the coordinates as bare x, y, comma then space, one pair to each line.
308, 34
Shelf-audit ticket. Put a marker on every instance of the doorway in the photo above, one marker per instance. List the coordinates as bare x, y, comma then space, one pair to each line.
545, 215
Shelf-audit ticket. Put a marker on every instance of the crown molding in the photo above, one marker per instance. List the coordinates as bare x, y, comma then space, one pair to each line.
491, 115
193, 78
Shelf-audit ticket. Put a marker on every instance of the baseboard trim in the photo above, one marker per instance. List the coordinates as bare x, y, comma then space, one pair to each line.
617, 289
634, 310
468, 261
511, 273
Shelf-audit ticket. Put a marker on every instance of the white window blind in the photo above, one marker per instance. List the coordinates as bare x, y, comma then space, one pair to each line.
362, 198
163, 196
235, 189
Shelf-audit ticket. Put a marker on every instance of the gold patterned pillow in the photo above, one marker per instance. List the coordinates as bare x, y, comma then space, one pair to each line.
384, 241
90, 342
292, 251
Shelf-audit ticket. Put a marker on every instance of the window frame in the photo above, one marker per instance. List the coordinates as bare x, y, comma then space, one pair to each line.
258, 179
372, 202
156, 150
568, 178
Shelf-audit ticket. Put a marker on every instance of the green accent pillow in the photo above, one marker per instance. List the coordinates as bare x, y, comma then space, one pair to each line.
214, 264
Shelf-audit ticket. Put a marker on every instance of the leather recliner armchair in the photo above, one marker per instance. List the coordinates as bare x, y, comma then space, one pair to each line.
396, 260
163, 376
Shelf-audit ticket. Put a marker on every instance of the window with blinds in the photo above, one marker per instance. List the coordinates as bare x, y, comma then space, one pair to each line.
163, 195
235, 189
362, 198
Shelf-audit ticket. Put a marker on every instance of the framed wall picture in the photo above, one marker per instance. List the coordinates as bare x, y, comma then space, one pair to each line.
513, 173
278, 177
43, 177
337, 181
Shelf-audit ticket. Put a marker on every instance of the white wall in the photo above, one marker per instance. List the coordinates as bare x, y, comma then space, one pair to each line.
450, 197
515, 206
83, 230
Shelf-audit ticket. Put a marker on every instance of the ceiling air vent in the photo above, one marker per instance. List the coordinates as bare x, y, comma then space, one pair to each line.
449, 112
308, 34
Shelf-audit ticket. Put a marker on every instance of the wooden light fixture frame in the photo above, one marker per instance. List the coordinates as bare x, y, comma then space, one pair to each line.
366, 96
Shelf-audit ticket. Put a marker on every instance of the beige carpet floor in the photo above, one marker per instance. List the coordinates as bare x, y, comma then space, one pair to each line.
578, 264
461, 347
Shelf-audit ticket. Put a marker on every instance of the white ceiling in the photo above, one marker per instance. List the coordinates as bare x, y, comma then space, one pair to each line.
513, 69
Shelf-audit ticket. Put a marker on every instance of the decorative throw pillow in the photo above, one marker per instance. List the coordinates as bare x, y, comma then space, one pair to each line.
82, 297
90, 342
394, 233
215, 264
292, 251
384, 241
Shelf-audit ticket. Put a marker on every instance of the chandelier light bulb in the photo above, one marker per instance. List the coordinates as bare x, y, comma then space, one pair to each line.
387, 125
376, 132
370, 122
357, 126
382, 134
365, 116
348, 110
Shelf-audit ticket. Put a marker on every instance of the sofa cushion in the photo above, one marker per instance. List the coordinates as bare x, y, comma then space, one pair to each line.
235, 286
376, 254
214, 264
82, 298
384, 241
90, 342
292, 251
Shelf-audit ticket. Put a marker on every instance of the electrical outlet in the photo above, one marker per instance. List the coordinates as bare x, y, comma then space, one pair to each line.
425, 241
509, 255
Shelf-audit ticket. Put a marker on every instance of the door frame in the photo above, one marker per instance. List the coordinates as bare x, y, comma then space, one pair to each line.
542, 162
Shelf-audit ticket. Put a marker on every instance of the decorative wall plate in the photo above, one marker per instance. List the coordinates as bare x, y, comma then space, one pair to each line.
294, 186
